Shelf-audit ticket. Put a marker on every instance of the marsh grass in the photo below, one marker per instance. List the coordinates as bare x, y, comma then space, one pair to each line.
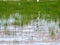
27, 8
52, 33
7, 32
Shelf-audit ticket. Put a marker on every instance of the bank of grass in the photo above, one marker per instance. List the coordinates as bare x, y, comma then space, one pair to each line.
49, 10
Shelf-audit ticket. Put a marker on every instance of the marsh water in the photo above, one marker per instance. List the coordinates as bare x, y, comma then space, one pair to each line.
32, 26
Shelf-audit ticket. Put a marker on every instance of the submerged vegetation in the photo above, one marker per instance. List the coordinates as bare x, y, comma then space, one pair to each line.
52, 33
9, 33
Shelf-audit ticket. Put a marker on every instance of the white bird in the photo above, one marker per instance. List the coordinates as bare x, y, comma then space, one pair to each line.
37, 0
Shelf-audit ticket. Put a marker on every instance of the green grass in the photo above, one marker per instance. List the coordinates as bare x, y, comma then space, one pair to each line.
49, 9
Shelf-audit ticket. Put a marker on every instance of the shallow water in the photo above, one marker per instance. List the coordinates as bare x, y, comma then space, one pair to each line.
34, 44
43, 25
